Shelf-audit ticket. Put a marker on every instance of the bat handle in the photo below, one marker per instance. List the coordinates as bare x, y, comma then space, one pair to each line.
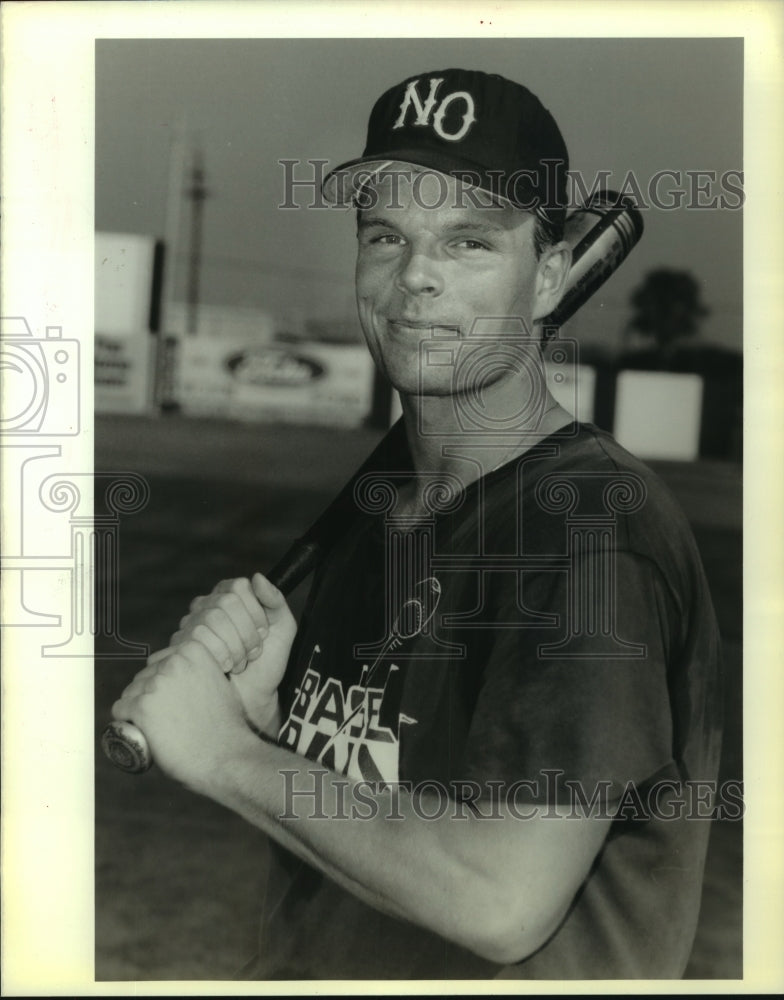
126, 747
125, 744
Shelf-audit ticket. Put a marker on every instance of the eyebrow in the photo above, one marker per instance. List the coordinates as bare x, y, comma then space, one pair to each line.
363, 222
474, 227
454, 227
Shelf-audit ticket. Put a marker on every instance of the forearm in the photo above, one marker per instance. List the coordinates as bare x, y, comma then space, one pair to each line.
495, 887
449, 875
357, 854
263, 715
260, 795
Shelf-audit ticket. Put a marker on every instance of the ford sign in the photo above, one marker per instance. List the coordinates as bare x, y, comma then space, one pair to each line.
266, 366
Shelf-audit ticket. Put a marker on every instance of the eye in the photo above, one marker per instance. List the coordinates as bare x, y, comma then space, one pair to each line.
379, 238
471, 244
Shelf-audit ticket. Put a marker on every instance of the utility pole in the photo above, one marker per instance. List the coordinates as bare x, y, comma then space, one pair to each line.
197, 194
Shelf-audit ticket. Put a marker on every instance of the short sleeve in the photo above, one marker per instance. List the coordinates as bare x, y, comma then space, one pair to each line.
583, 698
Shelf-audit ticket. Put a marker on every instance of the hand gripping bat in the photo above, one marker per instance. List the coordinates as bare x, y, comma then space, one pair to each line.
602, 234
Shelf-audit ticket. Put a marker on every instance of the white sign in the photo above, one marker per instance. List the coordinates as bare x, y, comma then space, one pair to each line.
300, 382
658, 414
124, 345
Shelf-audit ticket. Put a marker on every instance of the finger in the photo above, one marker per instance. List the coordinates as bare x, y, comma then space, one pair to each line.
216, 646
232, 624
271, 598
169, 663
160, 654
241, 586
199, 604
192, 655
251, 628
122, 709
238, 624
138, 685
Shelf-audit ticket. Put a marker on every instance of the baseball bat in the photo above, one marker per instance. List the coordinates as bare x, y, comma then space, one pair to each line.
601, 234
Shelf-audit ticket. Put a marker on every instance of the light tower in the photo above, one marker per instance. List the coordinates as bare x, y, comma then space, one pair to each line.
197, 194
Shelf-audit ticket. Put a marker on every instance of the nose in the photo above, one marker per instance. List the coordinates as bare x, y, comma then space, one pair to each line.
420, 275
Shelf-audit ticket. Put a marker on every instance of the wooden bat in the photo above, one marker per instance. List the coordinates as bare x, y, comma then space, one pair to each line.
602, 234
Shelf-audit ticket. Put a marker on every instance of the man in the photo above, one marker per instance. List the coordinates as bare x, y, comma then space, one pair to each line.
473, 751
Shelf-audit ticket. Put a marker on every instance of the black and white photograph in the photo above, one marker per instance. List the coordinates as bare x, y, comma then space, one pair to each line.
375, 495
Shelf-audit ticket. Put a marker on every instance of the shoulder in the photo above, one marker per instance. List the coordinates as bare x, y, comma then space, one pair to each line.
606, 479
582, 479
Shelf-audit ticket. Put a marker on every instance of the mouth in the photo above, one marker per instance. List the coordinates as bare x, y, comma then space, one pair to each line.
437, 328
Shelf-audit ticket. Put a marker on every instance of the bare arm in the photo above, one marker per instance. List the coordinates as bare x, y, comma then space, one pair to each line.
498, 887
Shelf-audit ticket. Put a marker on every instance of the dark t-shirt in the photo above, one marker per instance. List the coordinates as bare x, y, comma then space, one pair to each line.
544, 634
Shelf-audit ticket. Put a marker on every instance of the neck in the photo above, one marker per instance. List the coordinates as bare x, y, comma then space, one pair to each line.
440, 442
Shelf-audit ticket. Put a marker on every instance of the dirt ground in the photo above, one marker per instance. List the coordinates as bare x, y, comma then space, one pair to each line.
178, 879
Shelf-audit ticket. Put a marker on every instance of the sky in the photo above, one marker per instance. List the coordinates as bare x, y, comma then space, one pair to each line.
639, 105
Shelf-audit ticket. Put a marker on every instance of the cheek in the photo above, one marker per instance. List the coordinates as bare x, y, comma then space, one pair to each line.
366, 303
370, 278
516, 291
367, 299
507, 288
374, 290
363, 286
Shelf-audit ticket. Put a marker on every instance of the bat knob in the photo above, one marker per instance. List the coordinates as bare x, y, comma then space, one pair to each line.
126, 747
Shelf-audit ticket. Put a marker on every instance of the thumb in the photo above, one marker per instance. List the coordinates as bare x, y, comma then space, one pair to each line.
271, 599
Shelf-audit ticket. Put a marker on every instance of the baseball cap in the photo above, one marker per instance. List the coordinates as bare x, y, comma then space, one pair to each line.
485, 130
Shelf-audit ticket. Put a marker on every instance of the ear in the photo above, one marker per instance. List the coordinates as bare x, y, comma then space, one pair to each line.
553, 271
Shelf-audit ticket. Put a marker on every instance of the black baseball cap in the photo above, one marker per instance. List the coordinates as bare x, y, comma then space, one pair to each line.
481, 128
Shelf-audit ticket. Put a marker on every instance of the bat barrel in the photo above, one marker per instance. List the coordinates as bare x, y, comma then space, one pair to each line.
602, 235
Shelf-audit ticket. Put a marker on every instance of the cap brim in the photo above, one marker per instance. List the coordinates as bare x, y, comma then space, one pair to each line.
342, 185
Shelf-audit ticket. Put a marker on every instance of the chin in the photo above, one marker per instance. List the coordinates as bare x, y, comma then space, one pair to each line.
413, 387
